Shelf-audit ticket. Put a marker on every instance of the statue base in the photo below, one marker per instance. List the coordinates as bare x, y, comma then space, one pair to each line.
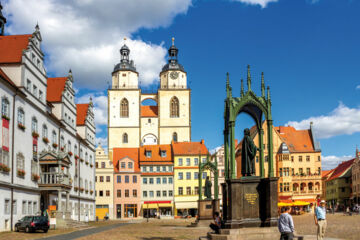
251, 202
207, 208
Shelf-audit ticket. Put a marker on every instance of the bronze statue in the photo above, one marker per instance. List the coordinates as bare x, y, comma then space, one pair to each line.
208, 186
248, 153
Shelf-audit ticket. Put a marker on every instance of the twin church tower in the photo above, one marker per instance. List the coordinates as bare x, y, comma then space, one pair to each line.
131, 123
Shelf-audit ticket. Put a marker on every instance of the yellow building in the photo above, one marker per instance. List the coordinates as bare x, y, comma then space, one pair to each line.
356, 179
137, 117
187, 156
104, 184
298, 162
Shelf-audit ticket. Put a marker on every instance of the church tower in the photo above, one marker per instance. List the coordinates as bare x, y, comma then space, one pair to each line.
124, 104
2, 22
174, 101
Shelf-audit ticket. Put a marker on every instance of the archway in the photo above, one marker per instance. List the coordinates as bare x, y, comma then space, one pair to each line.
149, 139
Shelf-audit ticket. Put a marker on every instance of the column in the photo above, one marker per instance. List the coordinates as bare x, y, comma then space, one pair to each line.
226, 153
232, 150
270, 148
59, 201
200, 178
67, 202
261, 146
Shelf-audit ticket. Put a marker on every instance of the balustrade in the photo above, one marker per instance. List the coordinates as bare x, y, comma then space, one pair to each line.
54, 178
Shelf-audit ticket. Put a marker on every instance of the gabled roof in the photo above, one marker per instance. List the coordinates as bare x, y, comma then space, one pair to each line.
55, 87
7, 79
120, 153
296, 140
326, 173
149, 111
11, 47
155, 154
341, 169
81, 111
189, 148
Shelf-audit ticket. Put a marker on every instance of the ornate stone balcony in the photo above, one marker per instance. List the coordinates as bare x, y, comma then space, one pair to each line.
54, 181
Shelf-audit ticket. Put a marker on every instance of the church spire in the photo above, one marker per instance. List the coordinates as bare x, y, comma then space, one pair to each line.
248, 78
2, 21
262, 85
173, 52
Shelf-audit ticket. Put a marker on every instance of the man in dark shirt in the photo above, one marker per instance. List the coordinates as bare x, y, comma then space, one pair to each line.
217, 223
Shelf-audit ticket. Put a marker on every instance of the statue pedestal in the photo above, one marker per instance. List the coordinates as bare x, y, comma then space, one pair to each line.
250, 202
207, 208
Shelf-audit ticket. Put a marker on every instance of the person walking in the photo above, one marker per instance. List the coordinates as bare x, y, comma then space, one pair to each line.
320, 220
286, 225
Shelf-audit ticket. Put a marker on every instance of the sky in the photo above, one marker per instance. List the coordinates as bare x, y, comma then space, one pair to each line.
308, 50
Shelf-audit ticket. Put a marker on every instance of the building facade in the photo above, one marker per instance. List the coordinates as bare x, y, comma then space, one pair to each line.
131, 122
187, 156
41, 114
157, 181
104, 181
356, 178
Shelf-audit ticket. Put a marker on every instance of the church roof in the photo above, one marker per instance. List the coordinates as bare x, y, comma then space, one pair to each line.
149, 111
11, 47
55, 87
81, 111
189, 148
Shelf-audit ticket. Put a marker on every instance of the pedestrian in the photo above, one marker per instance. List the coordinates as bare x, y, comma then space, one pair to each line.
216, 226
320, 220
286, 225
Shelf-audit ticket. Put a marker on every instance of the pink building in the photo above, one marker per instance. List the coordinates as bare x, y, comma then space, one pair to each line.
127, 177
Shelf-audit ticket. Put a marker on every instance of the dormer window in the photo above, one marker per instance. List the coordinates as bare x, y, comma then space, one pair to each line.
163, 153
148, 153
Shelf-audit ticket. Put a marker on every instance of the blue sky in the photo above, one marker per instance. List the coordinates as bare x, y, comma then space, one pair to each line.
308, 50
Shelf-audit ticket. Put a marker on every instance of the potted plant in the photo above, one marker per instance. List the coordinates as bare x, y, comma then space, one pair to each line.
91, 165
5, 117
35, 177
4, 168
45, 140
76, 188
87, 163
21, 126
21, 172
62, 148
35, 134
91, 191
76, 157
81, 189
54, 145
86, 191
81, 160
70, 153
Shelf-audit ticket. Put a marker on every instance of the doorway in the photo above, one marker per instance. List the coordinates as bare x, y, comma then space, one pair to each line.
118, 211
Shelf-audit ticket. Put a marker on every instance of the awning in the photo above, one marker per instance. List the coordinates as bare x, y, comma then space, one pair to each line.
150, 206
186, 205
163, 205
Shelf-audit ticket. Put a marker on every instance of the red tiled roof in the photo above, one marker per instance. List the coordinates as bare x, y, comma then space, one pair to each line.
11, 47
190, 148
149, 111
325, 173
341, 169
55, 87
7, 79
296, 140
81, 111
155, 154
120, 153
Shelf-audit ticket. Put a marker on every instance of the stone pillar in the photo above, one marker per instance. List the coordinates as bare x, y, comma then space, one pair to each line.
59, 201
270, 148
226, 153
67, 202
261, 147
232, 150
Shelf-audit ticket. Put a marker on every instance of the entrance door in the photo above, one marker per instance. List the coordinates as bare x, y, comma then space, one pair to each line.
118, 210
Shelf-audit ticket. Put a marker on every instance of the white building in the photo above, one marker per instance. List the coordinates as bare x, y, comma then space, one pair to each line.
47, 145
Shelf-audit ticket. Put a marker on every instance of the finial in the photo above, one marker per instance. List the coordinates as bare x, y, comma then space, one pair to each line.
173, 40
262, 85
248, 78
268, 93
124, 38
37, 28
227, 84
242, 88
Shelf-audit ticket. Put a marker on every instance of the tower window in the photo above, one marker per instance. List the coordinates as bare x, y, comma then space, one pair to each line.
125, 138
124, 108
149, 120
175, 137
174, 107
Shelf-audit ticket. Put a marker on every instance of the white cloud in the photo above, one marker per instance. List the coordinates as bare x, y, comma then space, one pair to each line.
330, 162
342, 120
86, 35
262, 3
102, 141
358, 87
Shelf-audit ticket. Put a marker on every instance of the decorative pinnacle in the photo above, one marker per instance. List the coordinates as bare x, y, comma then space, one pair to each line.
242, 88
227, 84
262, 85
268, 93
173, 40
248, 78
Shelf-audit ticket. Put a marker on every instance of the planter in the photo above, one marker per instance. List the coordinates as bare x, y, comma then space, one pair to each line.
5, 117
20, 173
21, 126
81, 160
86, 191
45, 140
4, 168
62, 148
35, 134
81, 189
70, 154
76, 157
87, 163
91, 165
91, 192
35, 177
76, 188
54, 145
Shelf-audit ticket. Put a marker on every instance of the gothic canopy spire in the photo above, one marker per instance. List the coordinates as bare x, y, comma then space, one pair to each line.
2, 21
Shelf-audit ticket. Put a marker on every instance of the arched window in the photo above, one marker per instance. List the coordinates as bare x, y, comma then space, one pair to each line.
124, 108
69, 146
21, 117
125, 138
20, 161
5, 107
62, 141
174, 107
75, 149
175, 137
45, 131
53, 137
86, 156
34, 125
